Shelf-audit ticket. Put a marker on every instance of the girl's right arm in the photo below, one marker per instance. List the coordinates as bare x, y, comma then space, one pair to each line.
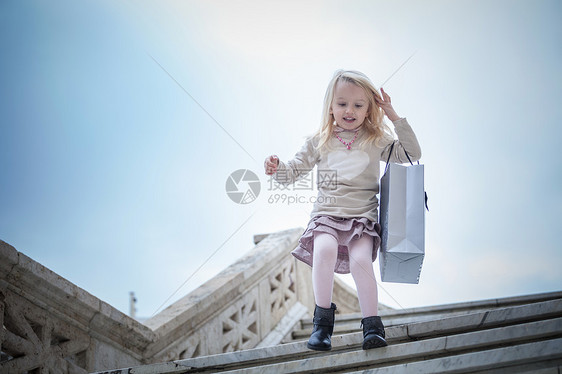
295, 169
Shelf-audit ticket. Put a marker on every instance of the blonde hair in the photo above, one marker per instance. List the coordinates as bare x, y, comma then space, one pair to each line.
375, 129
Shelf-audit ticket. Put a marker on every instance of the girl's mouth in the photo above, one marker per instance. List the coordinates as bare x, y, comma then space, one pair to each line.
348, 119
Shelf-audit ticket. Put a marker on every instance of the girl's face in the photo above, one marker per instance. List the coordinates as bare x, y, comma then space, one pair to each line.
350, 105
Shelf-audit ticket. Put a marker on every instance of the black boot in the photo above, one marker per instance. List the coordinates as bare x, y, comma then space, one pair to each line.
373, 333
320, 340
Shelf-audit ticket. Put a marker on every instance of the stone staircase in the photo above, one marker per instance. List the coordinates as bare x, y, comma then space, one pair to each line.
254, 317
510, 335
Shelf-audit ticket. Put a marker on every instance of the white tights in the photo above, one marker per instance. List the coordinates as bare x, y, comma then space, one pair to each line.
361, 266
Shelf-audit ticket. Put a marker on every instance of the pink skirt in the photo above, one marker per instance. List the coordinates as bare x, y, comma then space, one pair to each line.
345, 230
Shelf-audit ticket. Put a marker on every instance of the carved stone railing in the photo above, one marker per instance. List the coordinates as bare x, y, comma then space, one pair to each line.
236, 309
49, 323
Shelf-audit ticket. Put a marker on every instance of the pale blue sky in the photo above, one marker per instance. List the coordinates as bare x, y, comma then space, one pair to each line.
114, 177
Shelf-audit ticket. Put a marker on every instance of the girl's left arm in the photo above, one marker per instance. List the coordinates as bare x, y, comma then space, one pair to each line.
407, 141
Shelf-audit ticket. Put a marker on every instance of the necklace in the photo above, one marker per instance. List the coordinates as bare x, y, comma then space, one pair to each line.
347, 144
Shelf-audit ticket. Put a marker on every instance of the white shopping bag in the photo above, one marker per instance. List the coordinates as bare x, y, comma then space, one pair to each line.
402, 219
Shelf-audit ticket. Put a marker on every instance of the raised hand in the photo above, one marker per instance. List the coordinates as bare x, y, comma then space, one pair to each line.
386, 106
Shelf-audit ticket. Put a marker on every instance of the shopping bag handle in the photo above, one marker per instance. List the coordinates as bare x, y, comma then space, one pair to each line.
390, 154
409, 159
388, 159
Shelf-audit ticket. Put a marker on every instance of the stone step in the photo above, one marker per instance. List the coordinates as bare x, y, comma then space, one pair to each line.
440, 351
464, 306
413, 341
351, 323
348, 323
522, 358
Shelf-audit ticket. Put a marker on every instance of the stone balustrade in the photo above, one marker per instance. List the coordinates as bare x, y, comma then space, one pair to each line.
51, 324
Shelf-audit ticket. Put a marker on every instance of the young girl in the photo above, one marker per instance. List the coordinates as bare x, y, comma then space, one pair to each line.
344, 234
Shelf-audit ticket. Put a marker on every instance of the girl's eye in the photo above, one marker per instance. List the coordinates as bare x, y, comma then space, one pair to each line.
358, 106
341, 104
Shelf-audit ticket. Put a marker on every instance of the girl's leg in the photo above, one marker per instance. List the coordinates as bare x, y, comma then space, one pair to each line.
361, 266
323, 263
